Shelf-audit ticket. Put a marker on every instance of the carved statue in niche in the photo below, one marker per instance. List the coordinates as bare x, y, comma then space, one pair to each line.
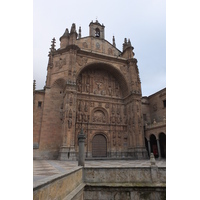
86, 106
70, 113
79, 106
87, 87
119, 138
114, 139
79, 117
118, 109
84, 117
118, 119
69, 123
109, 90
125, 119
112, 119
113, 109
70, 101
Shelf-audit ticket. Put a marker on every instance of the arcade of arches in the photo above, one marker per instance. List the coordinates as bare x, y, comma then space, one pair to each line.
156, 145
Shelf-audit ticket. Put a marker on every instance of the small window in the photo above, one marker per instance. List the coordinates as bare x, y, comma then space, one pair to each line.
39, 104
164, 103
97, 32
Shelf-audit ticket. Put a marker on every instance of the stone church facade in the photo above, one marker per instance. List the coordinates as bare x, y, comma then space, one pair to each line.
93, 86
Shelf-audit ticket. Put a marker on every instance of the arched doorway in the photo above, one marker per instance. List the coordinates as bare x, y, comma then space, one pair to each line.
153, 143
162, 140
99, 146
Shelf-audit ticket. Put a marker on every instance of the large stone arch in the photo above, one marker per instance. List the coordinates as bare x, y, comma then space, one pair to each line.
115, 72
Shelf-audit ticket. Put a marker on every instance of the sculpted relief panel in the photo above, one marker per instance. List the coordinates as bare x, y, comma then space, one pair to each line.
98, 82
99, 117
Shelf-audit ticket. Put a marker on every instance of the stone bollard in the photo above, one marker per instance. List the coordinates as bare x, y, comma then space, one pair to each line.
152, 159
154, 168
81, 143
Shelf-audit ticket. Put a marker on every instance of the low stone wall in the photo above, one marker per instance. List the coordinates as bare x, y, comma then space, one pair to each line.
59, 187
125, 183
124, 193
89, 183
137, 175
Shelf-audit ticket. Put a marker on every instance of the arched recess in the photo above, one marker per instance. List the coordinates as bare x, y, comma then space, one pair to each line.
59, 83
99, 146
109, 69
162, 140
153, 143
99, 115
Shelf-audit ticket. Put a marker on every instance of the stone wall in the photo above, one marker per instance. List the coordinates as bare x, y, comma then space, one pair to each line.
58, 188
106, 183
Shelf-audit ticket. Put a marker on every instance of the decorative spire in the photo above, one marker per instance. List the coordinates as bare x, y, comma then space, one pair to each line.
114, 41
52, 49
34, 85
79, 32
129, 42
126, 44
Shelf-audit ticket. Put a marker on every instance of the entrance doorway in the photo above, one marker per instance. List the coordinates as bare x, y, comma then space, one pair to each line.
162, 139
154, 148
99, 146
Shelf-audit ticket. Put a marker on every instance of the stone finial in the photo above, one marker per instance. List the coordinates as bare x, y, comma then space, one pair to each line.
73, 28
52, 49
34, 85
125, 40
129, 42
114, 41
152, 159
79, 32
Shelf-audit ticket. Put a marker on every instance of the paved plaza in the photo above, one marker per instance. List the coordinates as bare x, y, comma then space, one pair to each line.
47, 170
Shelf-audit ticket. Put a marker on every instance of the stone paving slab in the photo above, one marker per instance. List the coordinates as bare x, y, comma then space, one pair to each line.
46, 170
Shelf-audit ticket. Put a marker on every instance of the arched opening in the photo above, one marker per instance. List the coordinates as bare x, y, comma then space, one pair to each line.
162, 140
99, 146
153, 143
97, 32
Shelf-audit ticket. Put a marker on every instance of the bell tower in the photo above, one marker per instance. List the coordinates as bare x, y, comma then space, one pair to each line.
96, 29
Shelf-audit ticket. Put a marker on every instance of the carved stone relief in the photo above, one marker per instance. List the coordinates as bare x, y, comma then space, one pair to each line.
60, 63
98, 82
99, 117
81, 60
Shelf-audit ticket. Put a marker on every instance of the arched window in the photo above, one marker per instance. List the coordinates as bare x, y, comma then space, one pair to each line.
97, 32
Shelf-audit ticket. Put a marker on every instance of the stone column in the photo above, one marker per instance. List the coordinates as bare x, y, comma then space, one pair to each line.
149, 147
159, 152
81, 142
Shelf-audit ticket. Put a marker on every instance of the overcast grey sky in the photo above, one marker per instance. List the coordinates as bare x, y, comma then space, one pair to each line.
143, 21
